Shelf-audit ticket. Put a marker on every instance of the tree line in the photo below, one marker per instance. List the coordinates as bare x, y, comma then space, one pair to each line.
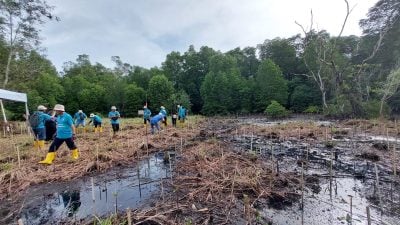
341, 76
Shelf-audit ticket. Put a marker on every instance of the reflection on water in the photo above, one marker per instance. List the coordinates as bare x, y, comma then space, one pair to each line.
72, 201
113, 191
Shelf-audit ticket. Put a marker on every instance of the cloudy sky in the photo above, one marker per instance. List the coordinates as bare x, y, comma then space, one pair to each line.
143, 32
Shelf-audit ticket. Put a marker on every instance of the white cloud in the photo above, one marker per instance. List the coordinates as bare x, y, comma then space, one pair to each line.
143, 32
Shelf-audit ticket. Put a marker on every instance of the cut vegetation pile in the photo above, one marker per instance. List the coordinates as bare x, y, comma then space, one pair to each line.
19, 166
213, 185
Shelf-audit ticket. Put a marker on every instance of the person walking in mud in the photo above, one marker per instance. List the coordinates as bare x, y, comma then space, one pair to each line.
146, 115
164, 113
80, 118
114, 117
51, 127
181, 114
65, 133
96, 122
37, 122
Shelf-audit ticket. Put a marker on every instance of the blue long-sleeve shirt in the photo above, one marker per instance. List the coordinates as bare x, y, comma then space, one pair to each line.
146, 113
96, 119
80, 116
43, 117
157, 118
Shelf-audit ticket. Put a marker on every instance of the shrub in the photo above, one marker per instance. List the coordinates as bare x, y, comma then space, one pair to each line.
341, 108
276, 110
312, 109
372, 108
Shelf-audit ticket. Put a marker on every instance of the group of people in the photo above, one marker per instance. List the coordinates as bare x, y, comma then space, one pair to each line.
162, 117
66, 126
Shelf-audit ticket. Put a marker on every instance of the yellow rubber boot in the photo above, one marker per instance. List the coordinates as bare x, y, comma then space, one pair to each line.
41, 144
100, 129
49, 158
75, 154
96, 129
35, 144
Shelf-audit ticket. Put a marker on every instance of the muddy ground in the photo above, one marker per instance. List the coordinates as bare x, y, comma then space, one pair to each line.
248, 171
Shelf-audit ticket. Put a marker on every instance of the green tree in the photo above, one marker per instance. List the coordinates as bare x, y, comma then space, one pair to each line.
270, 85
160, 90
90, 97
246, 60
303, 93
282, 53
179, 98
135, 99
221, 86
19, 20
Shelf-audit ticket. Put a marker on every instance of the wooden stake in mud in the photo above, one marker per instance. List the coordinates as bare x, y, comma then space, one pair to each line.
302, 193
19, 158
97, 156
394, 160
387, 138
368, 216
326, 134
128, 215
93, 197
138, 177
251, 143
351, 209
181, 145
377, 185
330, 176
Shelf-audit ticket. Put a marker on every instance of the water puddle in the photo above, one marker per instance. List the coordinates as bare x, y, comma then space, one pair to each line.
354, 162
113, 191
320, 208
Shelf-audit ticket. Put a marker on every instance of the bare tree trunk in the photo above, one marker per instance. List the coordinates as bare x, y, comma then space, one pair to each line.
324, 99
8, 68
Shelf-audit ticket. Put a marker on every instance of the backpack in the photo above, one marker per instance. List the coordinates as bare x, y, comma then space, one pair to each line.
34, 119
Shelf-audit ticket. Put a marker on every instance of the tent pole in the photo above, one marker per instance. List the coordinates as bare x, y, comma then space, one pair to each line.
2, 110
27, 118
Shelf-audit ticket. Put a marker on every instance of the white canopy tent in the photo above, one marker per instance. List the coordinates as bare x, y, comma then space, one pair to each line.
13, 96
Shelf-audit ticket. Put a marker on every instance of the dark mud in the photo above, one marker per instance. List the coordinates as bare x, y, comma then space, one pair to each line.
355, 159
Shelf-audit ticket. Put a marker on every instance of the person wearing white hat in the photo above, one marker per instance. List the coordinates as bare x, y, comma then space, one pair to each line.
96, 122
37, 121
65, 133
114, 117
164, 113
80, 117
146, 114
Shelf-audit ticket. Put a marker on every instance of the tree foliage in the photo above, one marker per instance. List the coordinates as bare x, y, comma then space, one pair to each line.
339, 75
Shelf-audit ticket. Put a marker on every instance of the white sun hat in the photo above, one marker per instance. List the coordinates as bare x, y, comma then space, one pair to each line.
59, 107
41, 108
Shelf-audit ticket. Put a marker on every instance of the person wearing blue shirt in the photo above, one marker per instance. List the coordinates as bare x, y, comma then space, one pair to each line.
181, 113
164, 113
146, 114
96, 122
65, 133
114, 117
38, 127
80, 117
154, 122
